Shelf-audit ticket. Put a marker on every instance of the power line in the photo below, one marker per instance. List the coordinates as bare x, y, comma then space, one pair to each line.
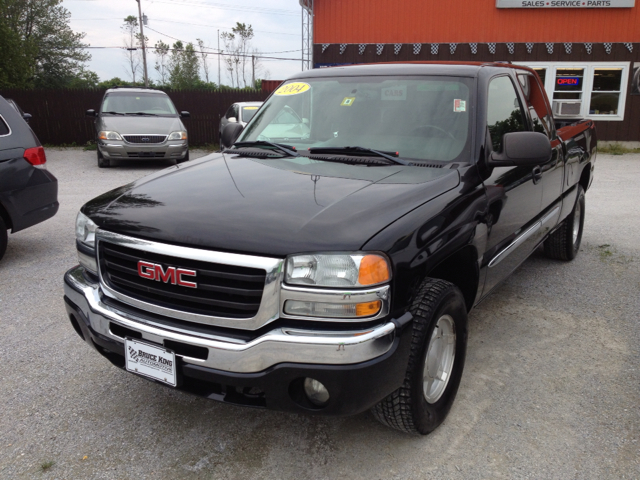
263, 57
266, 11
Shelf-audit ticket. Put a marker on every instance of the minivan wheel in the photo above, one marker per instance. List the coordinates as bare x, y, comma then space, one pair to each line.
3, 238
103, 162
436, 361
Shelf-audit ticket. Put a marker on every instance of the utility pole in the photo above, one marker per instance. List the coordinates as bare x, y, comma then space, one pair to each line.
253, 71
218, 59
144, 49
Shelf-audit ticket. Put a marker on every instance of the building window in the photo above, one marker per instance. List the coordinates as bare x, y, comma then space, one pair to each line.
592, 90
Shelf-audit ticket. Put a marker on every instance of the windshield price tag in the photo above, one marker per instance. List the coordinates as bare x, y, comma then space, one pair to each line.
459, 105
292, 88
348, 101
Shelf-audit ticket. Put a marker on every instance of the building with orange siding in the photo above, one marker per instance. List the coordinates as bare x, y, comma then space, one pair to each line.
587, 52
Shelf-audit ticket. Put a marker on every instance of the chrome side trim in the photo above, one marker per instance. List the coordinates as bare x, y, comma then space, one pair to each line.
277, 346
550, 216
269, 306
504, 253
335, 296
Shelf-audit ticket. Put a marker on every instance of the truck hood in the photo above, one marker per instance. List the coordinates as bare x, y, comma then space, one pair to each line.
133, 124
271, 207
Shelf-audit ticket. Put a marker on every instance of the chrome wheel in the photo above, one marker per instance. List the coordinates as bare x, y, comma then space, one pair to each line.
576, 221
439, 360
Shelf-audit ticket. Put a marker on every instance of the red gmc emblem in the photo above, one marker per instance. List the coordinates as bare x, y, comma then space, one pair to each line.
154, 271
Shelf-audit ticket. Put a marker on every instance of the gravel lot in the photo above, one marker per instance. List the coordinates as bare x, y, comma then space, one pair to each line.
551, 388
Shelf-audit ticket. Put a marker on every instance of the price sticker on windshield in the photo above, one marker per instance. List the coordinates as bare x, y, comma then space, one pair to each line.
293, 88
459, 105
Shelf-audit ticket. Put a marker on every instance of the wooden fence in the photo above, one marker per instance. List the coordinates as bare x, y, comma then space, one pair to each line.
59, 115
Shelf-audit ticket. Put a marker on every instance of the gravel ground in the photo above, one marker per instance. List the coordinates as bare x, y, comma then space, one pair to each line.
551, 387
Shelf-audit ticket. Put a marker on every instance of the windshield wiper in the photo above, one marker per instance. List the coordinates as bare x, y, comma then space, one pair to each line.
142, 113
288, 149
359, 151
114, 113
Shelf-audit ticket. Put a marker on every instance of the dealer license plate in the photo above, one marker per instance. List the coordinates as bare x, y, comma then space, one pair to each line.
150, 361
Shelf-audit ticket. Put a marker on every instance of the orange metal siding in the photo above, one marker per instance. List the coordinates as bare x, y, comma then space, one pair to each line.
461, 21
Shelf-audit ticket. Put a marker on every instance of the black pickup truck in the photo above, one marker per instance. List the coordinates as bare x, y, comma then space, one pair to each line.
326, 262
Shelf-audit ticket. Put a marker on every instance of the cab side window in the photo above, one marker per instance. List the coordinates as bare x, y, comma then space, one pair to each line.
540, 115
231, 112
4, 128
504, 114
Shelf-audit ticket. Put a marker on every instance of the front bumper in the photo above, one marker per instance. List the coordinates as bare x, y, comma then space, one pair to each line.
359, 368
119, 150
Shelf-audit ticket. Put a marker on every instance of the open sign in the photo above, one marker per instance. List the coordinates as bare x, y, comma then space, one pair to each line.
568, 81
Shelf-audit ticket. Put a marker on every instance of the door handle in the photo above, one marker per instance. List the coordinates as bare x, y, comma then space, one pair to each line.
537, 174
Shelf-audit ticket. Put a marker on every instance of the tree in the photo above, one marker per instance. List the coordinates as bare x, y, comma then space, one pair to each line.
162, 57
184, 67
131, 30
38, 46
241, 60
203, 59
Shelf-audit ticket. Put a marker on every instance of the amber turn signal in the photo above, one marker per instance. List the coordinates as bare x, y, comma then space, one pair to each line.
368, 309
373, 270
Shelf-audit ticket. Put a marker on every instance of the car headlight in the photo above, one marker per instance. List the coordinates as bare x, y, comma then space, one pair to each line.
86, 230
178, 136
337, 270
109, 135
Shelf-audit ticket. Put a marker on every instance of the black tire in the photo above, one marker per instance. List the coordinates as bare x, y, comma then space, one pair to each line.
185, 159
103, 162
563, 244
3, 238
407, 408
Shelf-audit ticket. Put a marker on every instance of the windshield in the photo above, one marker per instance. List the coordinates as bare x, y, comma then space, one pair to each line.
249, 112
137, 102
422, 118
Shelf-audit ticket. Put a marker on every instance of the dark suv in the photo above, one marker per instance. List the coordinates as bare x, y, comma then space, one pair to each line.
28, 192
139, 123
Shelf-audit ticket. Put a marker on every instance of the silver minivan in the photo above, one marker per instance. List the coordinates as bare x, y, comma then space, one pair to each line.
139, 123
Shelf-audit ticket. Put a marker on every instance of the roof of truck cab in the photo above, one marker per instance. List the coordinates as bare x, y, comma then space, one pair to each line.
467, 69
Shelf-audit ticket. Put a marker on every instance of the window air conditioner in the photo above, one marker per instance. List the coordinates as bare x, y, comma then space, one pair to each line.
566, 108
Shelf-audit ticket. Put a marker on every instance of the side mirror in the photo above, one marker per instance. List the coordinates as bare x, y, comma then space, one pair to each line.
185, 114
90, 113
229, 135
232, 120
522, 149
26, 117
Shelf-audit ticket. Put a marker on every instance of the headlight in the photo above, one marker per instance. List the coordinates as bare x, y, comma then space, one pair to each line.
108, 135
178, 136
337, 270
86, 230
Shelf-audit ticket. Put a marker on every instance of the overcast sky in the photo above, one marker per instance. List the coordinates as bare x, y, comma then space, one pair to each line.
276, 23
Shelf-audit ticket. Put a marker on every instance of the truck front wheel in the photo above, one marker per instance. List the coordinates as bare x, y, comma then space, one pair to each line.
564, 243
3, 238
436, 361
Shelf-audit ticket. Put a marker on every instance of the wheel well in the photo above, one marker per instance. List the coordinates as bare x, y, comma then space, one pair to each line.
461, 269
5, 216
585, 177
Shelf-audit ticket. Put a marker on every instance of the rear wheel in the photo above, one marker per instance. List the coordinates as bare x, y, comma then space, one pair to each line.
564, 243
3, 238
103, 162
436, 361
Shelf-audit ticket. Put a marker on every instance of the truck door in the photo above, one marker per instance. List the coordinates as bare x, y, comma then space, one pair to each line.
514, 194
552, 172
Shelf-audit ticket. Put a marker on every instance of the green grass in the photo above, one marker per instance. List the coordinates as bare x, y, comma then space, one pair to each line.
616, 149
44, 466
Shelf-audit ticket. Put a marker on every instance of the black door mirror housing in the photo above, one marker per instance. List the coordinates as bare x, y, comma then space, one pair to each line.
185, 114
26, 117
522, 149
90, 113
229, 135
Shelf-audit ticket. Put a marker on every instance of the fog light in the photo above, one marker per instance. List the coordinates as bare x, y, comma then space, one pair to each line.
316, 392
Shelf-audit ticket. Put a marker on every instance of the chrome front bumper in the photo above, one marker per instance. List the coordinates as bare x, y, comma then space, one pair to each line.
279, 345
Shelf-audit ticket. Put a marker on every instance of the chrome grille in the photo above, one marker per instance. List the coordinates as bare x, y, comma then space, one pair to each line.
223, 290
145, 139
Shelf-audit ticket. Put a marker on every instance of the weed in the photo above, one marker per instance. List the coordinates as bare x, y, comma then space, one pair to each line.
616, 149
604, 251
90, 145
47, 465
